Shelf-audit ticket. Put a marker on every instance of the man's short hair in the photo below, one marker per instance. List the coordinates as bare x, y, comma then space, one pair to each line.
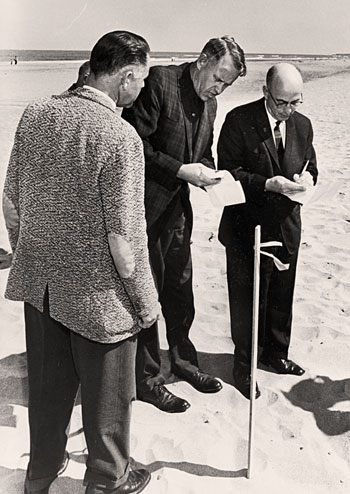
117, 49
218, 47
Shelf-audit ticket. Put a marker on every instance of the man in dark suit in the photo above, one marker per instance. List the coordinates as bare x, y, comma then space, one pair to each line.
174, 116
267, 145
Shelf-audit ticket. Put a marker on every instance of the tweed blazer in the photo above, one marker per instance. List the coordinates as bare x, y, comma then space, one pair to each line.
160, 119
76, 174
246, 148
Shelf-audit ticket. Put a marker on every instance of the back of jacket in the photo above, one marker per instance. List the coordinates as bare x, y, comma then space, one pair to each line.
75, 175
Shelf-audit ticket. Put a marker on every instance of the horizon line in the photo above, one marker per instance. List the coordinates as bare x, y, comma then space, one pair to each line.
195, 53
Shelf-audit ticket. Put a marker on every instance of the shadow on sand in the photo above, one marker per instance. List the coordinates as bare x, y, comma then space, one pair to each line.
13, 387
317, 396
14, 391
12, 482
14, 379
192, 468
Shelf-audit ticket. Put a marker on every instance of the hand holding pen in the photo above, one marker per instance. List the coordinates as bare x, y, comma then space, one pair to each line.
304, 178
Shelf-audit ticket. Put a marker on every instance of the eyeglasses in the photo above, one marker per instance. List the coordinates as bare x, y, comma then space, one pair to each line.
284, 104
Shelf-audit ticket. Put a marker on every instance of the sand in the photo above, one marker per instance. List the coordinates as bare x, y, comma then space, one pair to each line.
302, 423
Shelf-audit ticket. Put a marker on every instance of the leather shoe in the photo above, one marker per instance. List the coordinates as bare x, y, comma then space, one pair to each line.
283, 366
135, 483
242, 383
201, 381
163, 399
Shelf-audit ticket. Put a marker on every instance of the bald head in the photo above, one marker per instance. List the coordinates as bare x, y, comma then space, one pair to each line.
284, 75
283, 91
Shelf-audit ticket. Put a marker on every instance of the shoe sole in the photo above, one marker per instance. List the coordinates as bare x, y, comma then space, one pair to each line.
216, 390
164, 409
279, 372
209, 390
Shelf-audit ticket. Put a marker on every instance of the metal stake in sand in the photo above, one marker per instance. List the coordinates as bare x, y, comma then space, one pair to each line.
254, 356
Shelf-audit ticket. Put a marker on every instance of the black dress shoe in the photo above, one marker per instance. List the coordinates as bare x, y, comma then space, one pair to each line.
163, 399
283, 366
135, 483
242, 383
201, 381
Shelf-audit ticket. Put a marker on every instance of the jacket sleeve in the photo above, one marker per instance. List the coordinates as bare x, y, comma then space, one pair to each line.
310, 156
144, 116
122, 192
231, 157
10, 199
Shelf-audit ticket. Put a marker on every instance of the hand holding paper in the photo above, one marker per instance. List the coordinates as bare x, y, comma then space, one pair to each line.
197, 174
227, 192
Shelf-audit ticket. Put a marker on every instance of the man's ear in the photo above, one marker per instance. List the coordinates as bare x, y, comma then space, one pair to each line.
202, 61
265, 91
126, 77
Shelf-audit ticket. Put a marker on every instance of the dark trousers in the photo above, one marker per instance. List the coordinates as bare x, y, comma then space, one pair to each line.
170, 258
275, 303
58, 360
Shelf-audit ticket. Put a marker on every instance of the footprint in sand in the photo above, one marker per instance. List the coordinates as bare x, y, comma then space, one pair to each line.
309, 333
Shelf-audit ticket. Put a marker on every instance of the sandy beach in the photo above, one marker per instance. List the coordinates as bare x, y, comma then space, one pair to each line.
302, 423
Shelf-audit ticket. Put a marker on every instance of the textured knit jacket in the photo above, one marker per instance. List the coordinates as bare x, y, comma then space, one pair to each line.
160, 118
76, 174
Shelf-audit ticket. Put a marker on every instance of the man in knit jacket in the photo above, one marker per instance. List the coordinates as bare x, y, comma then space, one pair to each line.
74, 209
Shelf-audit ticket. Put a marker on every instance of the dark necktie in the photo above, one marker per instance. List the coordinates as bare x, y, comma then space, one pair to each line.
279, 142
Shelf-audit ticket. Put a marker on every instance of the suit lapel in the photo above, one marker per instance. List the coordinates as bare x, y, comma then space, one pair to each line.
290, 134
183, 98
203, 131
264, 130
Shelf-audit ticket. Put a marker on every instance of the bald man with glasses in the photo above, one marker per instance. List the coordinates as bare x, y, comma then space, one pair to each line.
267, 145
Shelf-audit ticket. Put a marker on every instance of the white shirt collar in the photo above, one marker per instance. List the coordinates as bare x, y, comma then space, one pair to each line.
272, 122
102, 94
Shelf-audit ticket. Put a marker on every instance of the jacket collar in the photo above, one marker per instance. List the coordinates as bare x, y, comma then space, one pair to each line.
205, 123
96, 96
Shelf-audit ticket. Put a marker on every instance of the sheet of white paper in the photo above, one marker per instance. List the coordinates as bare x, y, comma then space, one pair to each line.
227, 192
319, 193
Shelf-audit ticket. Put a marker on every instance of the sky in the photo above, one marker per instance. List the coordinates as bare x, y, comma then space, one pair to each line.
280, 26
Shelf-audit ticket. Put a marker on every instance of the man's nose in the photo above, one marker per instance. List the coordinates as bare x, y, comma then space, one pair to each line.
289, 109
220, 87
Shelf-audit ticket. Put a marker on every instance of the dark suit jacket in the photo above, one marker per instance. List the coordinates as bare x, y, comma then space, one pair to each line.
160, 119
246, 148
